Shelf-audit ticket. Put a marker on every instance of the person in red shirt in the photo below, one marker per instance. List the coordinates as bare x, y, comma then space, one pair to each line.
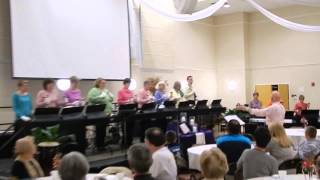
301, 105
125, 95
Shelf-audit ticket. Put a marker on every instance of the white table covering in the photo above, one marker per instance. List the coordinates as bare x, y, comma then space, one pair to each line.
88, 177
287, 177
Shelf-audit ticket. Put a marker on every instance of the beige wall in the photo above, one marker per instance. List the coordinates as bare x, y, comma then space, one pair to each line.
171, 51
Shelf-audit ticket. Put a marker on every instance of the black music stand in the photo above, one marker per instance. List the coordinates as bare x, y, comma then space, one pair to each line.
46, 114
148, 107
202, 104
186, 104
128, 107
72, 113
170, 104
95, 111
312, 116
216, 103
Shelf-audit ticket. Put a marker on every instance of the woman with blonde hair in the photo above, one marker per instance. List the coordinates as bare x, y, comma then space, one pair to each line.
214, 165
280, 145
25, 166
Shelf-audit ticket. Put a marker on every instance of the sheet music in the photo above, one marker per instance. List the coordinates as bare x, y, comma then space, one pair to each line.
234, 117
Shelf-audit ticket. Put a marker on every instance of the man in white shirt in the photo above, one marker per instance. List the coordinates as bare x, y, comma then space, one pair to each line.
164, 165
189, 93
274, 113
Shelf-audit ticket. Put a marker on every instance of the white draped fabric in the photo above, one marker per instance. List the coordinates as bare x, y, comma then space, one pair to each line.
185, 6
185, 17
135, 31
283, 22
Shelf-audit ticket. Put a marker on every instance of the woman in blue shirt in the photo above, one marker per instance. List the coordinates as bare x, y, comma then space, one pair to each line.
161, 95
22, 104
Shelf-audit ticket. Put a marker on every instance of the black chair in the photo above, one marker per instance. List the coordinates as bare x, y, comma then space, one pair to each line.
233, 151
292, 164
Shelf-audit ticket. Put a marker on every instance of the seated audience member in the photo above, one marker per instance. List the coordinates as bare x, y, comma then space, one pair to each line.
73, 95
189, 93
22, 105
309, 148
144, 96
256, 162
73, 166
214, 165
161, 94
171, 142
140, 161
176, 94
234, 143
25, 166
280, 146
255, 103
48, 97
125, 95
164, 166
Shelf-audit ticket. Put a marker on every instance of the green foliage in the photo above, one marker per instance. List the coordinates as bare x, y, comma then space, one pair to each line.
49, 134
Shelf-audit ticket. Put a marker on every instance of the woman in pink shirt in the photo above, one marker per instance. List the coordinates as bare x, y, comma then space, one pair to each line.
144, 96
125, 95
48, 96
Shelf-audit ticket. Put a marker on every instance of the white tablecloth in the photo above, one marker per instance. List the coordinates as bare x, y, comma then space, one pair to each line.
194, 154
297, 135
287, 177
88, 177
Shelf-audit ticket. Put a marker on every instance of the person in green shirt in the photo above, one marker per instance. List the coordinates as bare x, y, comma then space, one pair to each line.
100, 95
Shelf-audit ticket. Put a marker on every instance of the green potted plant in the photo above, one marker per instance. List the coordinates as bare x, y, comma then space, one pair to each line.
47, 142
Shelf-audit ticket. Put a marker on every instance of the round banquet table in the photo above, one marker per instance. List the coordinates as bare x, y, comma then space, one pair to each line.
194, 154
287, 177
297, 135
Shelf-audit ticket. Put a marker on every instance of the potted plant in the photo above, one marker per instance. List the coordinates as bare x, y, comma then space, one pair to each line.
47, 142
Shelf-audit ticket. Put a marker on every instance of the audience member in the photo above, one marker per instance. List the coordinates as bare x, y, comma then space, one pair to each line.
256, 162
140, 161
164, 166
125, 95
25, 166
280, 146
22, 105
255, 103
273, 113
144, 96
176, 94
234, 143
48, 97
73, 95
171, 142
309, 148
189, 93
161, 94
73, 166
214, 165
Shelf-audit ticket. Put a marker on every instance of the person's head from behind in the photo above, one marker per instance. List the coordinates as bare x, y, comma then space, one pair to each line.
310, 132
190, 80
161, 86
154, 139
74, 82
126, 83
177, 86
234, 127
48, 85
23, 86
213, 164
139, 158
255, 95
25, 148
278, 133
100, 83
147, 85
262, 137
301, 98
73, 166
171, 137
275, 96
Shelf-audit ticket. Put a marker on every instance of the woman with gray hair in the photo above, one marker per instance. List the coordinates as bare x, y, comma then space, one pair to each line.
73, 166
140, 161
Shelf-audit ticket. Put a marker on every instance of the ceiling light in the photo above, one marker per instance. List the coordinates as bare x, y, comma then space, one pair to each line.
226, 5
